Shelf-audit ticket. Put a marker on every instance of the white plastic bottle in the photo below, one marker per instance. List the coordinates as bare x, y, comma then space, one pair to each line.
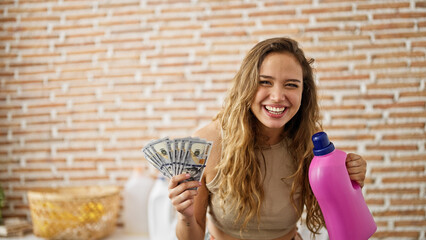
161, 213
135, 208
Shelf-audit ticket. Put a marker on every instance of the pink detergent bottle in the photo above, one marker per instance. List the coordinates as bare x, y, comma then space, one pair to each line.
345, 212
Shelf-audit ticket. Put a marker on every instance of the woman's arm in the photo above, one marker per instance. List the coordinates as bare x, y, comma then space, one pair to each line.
191, 205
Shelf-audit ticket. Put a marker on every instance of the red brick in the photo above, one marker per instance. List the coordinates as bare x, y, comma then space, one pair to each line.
170, 28
385, 26
117, 22
379, 46
398, 213
333, 69
417, 223
75, 17
347, 18
32, 9
381, 66
219, 16
405, 75
392, 85
375, 201
398, 126
414, 15
43, 179
409, 158
327, 10
31, 170
49, 160
369, 97
85, 35
172, 10
382, 6
170, 37
41, 55
345, 126
222, 34
345, 38
74, 44
407, 136
376, 158
167, 2
357, 137
44, 17
77, 169
418, 43
399, 169
242, 6
420, 64
118, 5
65, 8
400, 35
396, 233
133, 29
406, 147
285, 22
168, 19
346, 78
93, 159
342, 58
271, 13
233, 24
420, 5
400, 105
89, 178
396, 191
287, 3
322, 29
409, 201
406, 179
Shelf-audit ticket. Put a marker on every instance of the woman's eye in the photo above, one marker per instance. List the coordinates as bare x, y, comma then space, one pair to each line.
292, 85
265, 83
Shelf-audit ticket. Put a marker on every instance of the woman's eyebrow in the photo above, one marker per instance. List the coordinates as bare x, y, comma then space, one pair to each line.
287, 80
266, 76
293, 80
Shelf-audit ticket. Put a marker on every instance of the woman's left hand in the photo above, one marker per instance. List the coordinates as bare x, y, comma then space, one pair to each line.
357, 168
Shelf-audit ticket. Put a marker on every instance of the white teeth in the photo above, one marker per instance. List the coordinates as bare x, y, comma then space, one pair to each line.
275, 110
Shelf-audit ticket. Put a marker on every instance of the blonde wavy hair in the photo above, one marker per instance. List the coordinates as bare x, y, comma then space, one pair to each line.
240, 177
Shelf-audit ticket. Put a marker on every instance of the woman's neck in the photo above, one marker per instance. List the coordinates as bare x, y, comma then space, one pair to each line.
269, 136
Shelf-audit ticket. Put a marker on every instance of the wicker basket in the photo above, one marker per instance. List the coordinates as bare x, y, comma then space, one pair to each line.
74, 212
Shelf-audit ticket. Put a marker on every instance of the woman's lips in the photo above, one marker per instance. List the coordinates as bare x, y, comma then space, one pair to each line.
275, 111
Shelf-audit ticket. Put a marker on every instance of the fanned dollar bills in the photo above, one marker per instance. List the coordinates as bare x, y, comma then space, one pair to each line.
176, 156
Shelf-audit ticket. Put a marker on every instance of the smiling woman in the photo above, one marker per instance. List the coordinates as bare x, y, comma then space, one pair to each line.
255, 184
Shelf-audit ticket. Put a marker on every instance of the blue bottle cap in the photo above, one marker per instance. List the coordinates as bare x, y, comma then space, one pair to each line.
322, 145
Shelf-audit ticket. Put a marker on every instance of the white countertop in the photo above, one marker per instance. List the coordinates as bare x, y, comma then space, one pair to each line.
118, 234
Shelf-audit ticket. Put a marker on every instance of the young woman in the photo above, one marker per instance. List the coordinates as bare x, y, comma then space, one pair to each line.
255, 184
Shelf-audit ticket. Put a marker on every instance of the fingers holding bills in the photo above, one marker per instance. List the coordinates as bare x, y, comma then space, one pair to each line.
181, 155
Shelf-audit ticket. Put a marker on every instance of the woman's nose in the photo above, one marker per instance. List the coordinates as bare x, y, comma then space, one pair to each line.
277, 94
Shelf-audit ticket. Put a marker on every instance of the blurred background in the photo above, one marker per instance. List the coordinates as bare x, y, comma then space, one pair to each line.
86, 84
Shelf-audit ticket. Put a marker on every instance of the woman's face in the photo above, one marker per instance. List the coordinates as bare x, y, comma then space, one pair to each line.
279, 94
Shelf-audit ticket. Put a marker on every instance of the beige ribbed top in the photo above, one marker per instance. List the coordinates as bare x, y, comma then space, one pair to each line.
278, 216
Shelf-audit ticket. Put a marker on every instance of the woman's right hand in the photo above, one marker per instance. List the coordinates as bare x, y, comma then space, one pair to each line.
181, 196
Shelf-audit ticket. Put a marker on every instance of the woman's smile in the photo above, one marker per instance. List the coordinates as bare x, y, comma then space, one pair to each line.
275, 111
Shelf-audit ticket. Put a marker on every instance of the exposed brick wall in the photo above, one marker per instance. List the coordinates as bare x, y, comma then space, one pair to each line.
85, 84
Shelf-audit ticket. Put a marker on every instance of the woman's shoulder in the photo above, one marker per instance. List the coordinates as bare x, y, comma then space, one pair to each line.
210, 132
